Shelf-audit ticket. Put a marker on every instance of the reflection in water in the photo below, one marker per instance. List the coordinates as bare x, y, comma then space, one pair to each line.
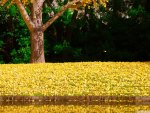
75, 109
74, 104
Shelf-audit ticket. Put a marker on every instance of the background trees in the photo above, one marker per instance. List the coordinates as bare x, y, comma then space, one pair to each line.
31, 12
118, 33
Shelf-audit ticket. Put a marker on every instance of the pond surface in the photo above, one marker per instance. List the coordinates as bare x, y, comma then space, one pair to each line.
74, 104
75, 109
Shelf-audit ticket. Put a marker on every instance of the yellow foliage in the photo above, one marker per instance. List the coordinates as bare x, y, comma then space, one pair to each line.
84, 2
3, 2
25, 2
85, 78
95, 3
75, 109
103, 2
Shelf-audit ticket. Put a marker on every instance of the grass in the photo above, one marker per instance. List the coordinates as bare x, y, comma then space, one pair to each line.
80, 78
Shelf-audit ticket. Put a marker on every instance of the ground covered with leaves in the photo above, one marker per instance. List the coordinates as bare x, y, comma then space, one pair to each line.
80, 78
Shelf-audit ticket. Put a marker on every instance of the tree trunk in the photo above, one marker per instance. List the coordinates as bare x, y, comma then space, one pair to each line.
37, 47
37, 34
36, 27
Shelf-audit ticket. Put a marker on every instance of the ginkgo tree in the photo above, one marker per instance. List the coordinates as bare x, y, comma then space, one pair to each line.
35, 24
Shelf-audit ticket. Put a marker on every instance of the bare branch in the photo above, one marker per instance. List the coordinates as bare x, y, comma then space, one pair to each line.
24, 14
64, 8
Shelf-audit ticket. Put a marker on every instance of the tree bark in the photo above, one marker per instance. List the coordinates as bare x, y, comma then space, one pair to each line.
37, 46
36, 27
37, 35
24, 14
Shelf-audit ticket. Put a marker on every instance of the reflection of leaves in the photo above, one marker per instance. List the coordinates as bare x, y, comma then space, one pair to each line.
75, 109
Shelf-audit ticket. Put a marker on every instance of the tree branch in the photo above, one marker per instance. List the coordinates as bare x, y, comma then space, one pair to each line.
24, 15
65, 7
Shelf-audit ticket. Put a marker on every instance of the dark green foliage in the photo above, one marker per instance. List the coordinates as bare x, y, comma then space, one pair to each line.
15, 36
67, 17
116, 33
66, 50
12, 10
22, 54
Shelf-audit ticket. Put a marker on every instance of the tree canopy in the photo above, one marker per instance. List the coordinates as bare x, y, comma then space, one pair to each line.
84, 2
119, 32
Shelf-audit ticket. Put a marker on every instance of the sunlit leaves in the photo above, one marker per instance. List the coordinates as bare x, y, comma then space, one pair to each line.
84, 2
86, 78
103, 2
3, 2
95, 2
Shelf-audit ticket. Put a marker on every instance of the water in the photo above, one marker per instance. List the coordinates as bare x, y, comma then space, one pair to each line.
74, 104
75, 109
